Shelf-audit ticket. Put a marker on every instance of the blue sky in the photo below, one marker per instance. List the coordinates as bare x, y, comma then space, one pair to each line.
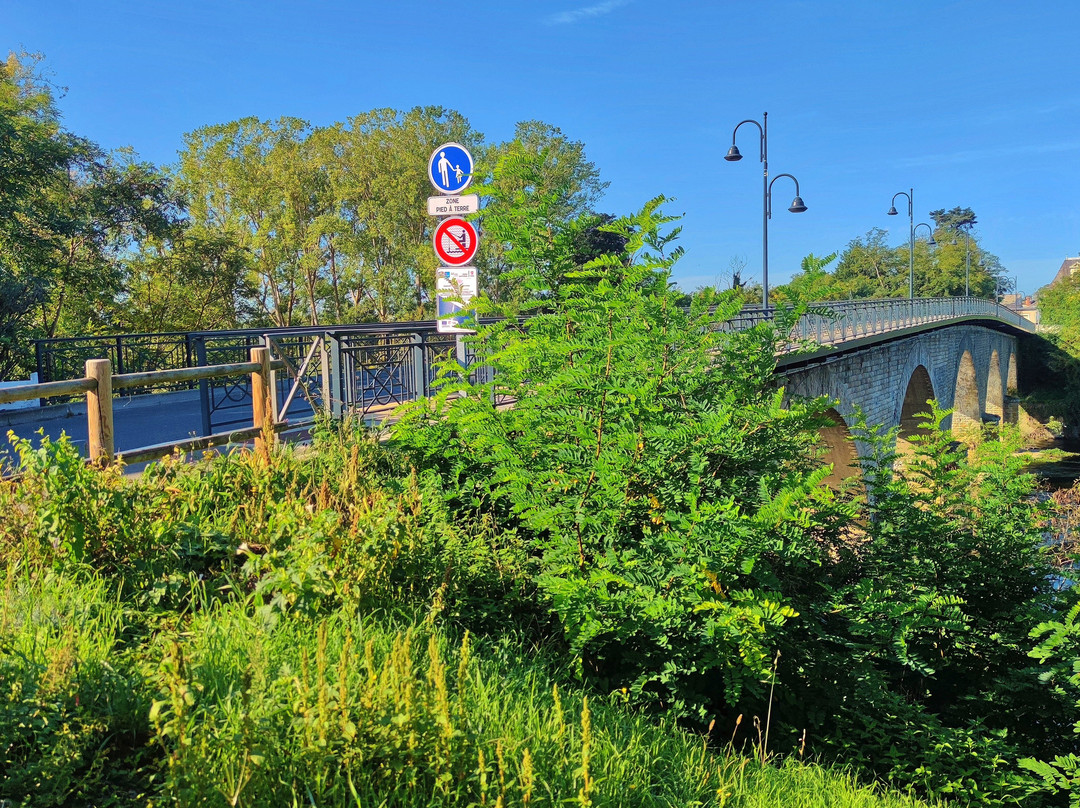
975, 104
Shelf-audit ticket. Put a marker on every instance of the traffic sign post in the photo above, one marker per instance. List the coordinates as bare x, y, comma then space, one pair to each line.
455, 241
450, 168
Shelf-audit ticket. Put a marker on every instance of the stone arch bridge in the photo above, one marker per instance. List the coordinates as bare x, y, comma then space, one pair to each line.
888, 357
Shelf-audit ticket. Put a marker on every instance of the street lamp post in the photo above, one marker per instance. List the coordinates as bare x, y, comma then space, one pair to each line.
967, 264
911, 235
930, 230
967, 269
797, 205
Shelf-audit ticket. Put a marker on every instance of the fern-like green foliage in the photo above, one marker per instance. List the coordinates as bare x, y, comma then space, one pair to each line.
925, 626
647, 455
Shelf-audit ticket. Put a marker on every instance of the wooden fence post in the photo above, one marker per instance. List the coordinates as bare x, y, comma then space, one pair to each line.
99, 411
261, 408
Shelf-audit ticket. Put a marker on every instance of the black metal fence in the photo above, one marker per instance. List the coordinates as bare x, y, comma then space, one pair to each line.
360, 368
65, 357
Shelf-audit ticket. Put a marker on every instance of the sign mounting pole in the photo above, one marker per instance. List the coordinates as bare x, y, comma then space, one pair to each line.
450, 170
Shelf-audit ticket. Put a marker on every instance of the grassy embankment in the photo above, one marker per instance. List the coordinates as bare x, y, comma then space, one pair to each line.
285, 630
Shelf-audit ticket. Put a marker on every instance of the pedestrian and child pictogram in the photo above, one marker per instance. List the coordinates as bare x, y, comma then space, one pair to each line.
450, 168
455, 242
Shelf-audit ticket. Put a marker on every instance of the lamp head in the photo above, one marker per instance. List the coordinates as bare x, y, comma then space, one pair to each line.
797, 205
931, 241
733, 155
892, 211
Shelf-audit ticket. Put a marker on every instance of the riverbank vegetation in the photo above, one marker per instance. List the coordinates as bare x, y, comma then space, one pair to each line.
315, 628
631, 588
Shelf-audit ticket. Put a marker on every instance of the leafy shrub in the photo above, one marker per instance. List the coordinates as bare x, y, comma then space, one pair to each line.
911, 659
648, 461
76, 513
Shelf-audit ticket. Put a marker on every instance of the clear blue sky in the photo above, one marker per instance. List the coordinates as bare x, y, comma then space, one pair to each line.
975, 104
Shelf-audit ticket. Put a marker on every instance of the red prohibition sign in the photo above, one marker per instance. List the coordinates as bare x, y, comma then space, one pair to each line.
455, 242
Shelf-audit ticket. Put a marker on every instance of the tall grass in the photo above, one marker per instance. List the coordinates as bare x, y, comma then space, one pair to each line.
346, 711
73, 709
294, 630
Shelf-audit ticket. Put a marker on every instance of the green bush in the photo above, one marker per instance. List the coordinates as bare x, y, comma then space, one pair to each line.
651, 468
911, 659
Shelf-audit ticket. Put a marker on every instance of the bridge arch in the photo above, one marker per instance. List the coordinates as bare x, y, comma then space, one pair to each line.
967, 413
840, 450
995, 395
1010, 378
919, 390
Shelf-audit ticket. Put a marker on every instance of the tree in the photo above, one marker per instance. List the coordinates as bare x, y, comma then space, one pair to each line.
247, 180
958, 255
32, 148
543, 177
195, 281
962, 219
868, 267
69, 212
378, 176
562, 168
105, 204
333, 218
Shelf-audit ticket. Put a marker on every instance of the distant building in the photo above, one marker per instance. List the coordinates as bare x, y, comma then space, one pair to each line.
1069, 267
1024, 305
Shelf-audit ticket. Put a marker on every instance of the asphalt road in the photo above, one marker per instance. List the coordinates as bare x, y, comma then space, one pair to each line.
137, 420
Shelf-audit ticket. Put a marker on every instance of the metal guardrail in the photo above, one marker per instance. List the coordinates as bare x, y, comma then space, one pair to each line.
64, 358
367, 368
834, 323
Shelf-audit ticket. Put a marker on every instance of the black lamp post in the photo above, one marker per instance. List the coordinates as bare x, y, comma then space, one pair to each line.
911, 235
797, 205
967, 264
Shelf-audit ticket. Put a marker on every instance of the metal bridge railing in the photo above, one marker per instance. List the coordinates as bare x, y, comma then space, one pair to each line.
367, 367
834, 323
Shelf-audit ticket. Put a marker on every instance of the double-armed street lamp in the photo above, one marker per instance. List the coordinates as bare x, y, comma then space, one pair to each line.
910, 194
797, 205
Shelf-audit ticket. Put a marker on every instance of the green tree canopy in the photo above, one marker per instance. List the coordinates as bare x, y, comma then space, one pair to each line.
69, 213
954, 219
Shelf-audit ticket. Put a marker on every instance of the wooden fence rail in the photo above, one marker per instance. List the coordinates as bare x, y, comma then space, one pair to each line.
99, 384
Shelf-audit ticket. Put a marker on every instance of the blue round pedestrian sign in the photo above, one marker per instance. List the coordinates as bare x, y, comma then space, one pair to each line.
450, 168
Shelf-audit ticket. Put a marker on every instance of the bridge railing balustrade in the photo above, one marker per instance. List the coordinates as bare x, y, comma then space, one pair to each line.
373, 367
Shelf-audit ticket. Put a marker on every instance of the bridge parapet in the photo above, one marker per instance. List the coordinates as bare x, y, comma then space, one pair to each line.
833, 323
373, 366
